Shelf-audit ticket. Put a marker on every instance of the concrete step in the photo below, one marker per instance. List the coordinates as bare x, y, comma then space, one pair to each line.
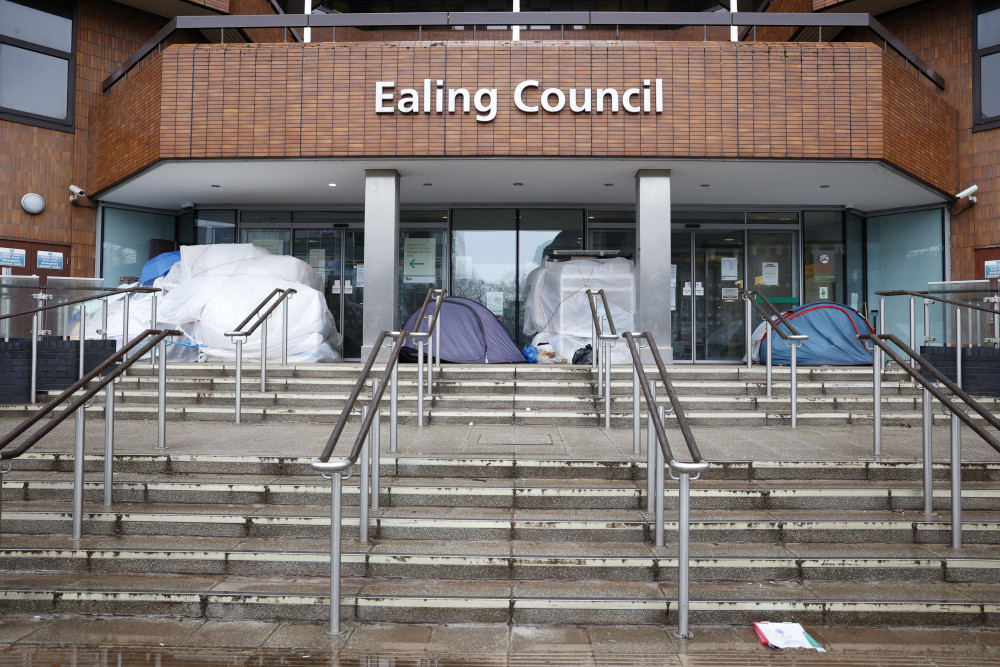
433, 523
504, 467
444, 600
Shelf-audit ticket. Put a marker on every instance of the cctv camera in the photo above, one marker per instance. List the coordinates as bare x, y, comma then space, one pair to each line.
967, 192
78, 191
187, 206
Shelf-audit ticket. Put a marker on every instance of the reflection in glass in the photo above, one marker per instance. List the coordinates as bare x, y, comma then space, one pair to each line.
126, 237
989, 85
413, 288
823, 243
484, 261
50, 24
33, 82
540, 232
275, 241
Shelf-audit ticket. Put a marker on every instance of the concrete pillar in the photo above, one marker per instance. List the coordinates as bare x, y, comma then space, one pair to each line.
381, 254
652, 227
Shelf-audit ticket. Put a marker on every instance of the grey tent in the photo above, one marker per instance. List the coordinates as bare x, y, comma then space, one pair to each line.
470, 334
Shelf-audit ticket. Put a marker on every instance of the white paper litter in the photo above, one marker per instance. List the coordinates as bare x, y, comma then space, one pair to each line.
785, 635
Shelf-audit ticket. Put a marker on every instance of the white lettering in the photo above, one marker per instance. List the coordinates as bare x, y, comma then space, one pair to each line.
409, 101
490, 108
659, 96
645, 95
439, 97
558, 94
586, 101
381, 96
629, 94
519, 91
427, 95
607, 92
453, 95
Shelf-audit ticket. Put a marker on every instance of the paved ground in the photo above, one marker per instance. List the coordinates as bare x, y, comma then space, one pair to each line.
102, 641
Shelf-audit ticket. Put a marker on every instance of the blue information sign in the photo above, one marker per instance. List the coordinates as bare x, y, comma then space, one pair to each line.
50, 260
993, 268
13, 256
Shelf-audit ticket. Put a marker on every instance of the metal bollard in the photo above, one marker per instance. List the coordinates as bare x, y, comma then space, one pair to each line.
263, 355
376, 433
78, 473
660, 484
636, 421
650, 450
161, 399
363, 484
393, 406
109, 439
239, 377
420, 382
335, 520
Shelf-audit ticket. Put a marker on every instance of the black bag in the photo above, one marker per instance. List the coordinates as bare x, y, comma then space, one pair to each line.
583, 356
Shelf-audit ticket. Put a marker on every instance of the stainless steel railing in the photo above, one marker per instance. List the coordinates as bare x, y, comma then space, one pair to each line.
601, 360
239, 336
958, 414
775, 320
366, 445
157, 337
432, 337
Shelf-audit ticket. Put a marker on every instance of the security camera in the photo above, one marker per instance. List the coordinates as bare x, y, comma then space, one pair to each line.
78, 191
967, 192
187, 206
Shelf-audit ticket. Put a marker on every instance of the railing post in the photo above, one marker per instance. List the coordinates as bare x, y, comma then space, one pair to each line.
607, 385
956, 445
769, 331
152, 325
430, 363
109, 439
161, 399
83, 339
363, 484
125, 309
376, 434
104, 319
33, 397
437, 330
877, 400
239, 377
284, 330
78, 472
263, 355
393, 406
683, 545
650, 450
928, 422
794, 385
420, 382
335, 521
660, 484
749, 335
593, 342
913, 331
636, 420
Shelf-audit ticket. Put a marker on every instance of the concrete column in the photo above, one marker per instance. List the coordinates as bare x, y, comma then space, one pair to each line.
652, 227
381, 254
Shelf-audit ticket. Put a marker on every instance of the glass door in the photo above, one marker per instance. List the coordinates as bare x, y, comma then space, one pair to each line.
707, 270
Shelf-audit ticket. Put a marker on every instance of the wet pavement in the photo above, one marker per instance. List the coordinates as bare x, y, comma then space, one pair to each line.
104, 641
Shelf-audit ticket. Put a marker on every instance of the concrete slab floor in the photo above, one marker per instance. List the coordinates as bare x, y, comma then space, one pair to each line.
105, 640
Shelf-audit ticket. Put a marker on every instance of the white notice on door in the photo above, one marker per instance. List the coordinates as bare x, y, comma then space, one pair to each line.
769, 272
730, 268
673, 287
494, 302
687, 289
824, 292
699, 289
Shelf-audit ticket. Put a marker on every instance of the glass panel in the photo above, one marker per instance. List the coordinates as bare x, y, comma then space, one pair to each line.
276, 218
681, 296
989, 85
855, 263
824, 256
905, 252
321, 249
413, 286
988, 24
620, 238
774, 265
126, 242
718, 258
65, 322
33, 82
542, 231
275, 241
353, 292
214, 227
51, 24
15, 297
484, 260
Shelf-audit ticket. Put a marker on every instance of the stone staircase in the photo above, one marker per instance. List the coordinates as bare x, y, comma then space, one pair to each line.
511, 538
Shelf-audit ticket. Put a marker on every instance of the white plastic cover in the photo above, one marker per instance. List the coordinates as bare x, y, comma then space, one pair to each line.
557, 310
214, 287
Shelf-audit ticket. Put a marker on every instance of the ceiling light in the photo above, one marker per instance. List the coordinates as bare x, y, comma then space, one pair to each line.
609, 185
705, 185
824, 186
518, 184
216, 186
332, 185
427, 185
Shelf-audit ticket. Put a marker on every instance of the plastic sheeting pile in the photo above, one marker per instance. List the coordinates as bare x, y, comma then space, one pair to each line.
214, 287
557, 311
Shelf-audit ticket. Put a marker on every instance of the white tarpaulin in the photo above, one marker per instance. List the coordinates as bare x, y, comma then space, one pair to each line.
214, 287
557, 310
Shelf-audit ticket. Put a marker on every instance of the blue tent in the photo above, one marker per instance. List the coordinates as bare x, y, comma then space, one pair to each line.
470, 334
832, 328
158, 266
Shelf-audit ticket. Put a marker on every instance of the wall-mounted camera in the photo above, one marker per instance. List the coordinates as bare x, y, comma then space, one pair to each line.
77, 193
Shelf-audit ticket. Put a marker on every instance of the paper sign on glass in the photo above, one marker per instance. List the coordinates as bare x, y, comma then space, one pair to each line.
769, 271
730, 268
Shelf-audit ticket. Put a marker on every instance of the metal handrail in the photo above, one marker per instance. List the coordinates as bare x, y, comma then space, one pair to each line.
238, 332
433, 339
595, 18
602, 361
932, 297
793, 339
102, 295
366, 448
957, 414
158, 337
